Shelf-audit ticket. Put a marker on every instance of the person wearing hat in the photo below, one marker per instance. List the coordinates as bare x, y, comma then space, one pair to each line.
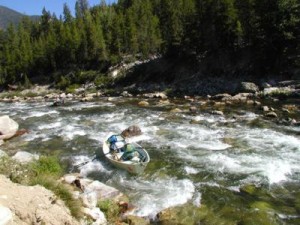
129, 152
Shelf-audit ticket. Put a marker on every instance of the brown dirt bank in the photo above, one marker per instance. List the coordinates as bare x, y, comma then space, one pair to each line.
33, 205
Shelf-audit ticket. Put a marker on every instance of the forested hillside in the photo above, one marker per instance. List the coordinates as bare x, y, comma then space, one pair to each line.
255, 36
8, 16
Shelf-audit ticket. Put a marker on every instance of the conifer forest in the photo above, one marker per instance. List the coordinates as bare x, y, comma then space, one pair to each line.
265, 32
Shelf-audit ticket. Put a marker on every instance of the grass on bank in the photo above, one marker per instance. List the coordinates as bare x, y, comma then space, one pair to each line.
45, 172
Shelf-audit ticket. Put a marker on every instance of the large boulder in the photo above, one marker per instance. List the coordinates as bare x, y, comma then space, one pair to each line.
131, 131
8, 127
32, 205
249, 87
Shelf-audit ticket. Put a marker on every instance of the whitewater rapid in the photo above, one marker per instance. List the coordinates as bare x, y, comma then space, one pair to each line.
181, 151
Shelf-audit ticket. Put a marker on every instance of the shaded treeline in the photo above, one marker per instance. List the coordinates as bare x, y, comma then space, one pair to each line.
57, 49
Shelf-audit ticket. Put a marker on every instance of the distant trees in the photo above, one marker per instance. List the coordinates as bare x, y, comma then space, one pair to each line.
97, 37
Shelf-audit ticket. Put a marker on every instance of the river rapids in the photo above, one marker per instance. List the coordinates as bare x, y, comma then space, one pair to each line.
199, 158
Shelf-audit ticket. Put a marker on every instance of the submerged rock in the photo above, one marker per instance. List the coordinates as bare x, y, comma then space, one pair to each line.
143, 103
271, 115
134, 220
187, 214
217, 112
176, 110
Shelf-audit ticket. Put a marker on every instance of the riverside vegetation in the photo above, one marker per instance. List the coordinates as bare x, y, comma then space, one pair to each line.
193, 40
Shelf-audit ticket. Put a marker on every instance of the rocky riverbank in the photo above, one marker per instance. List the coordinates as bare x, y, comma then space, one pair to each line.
23, 204
248, 93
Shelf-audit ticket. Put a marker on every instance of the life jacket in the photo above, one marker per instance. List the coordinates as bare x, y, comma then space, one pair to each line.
117, 142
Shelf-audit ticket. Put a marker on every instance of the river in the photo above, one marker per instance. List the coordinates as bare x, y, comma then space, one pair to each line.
201, 158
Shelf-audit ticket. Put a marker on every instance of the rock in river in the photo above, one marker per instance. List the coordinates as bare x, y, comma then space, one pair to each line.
8, 127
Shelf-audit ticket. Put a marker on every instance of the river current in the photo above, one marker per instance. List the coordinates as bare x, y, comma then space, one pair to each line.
199, 158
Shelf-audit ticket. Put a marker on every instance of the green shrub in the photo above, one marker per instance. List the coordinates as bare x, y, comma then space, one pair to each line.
102, 80
63, 83
71, 89
31, 94
86, 76
47, 165
110, 209
17, 172
27, 84
10, 94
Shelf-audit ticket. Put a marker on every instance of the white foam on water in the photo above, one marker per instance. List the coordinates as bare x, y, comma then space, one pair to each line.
40, 114
276, 155
50, 126
258, 167
71, 131
234, 188
223, 163
197, 199
32, 135
207, 118
155, 196
87, 165
210, 184
277, 171
215, 146
87, 105
190, 170
195, 137
268, 140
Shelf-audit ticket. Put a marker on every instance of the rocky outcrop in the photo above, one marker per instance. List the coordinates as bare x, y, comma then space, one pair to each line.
31, 205
91, 192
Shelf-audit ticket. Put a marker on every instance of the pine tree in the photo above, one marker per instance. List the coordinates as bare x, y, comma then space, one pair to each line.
68, 18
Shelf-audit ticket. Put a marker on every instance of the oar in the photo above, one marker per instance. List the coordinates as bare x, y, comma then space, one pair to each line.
84, 163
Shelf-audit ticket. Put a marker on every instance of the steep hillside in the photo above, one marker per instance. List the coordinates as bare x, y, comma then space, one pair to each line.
8, 16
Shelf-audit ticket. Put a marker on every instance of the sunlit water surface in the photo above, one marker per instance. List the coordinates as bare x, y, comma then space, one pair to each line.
188, 160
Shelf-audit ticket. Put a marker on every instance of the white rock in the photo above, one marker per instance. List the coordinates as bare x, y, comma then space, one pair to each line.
96, 214
5, 215
25, 157
62, 95
69, 178
69, 95
8, 127
115, 73
89, 199
103, 191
